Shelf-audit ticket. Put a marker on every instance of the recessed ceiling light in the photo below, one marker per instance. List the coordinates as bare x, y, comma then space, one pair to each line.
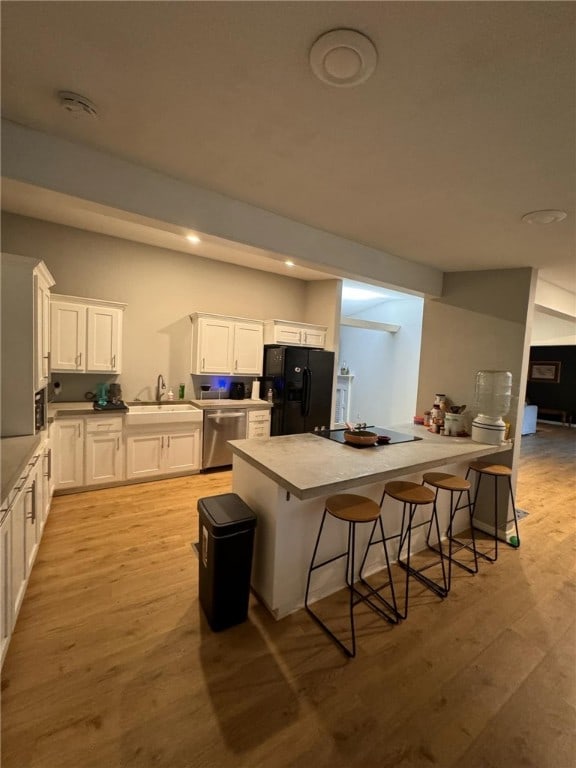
544, 217
193, 239
289, 263
343, 57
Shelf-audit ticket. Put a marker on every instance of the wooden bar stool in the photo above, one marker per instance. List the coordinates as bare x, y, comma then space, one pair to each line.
485, 469
412, 496
441, 481
354, 510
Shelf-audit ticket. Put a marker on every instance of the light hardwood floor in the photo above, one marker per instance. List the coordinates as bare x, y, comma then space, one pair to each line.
112, 664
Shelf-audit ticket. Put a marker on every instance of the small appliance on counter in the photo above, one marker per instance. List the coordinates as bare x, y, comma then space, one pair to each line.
109, 398
237, 390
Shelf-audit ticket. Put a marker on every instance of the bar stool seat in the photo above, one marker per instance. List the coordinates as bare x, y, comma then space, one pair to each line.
486, 469
354, 510
413, 496
453, 484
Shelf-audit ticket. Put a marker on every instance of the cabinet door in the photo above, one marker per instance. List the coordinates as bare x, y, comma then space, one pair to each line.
104, 462
42, 333
103, 336
18, 554
46, 472
182, 451
215, 344
5, 576
286, 334
68, 453
248, 350
31, 526
144, 455
314, 338
68, 336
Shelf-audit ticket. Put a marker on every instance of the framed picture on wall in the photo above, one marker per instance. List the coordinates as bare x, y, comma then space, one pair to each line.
542, 371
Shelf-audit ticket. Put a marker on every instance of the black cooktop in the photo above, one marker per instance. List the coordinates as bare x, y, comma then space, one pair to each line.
395, 437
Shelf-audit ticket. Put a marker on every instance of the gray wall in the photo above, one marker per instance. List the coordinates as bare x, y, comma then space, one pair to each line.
161, 289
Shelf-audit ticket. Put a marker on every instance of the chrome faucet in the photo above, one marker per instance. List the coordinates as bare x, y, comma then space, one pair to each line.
160, 387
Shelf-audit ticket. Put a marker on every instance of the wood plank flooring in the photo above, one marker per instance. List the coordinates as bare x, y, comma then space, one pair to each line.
112, 664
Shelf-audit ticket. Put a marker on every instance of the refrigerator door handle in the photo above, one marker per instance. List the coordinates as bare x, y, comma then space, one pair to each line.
306, 392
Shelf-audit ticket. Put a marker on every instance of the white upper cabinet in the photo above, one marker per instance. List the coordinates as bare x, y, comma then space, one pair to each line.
226, 345
86, 335
42, 283
295, 334
25, 340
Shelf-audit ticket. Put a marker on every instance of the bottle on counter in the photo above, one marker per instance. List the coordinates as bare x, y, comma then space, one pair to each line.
181, 390
270, 395
427, 418
170, 395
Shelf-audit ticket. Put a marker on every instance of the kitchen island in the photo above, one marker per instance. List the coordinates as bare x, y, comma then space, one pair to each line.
286, 480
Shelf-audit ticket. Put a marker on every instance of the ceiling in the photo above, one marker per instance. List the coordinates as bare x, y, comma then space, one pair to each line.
467, 123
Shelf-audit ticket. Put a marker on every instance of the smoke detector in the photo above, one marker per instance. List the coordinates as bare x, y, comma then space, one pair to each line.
77, 104
343, 58
550, 216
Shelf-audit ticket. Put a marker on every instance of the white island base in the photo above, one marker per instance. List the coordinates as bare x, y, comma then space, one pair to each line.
287, 526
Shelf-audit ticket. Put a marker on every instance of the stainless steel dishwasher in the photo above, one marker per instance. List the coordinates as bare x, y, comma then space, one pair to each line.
220, 426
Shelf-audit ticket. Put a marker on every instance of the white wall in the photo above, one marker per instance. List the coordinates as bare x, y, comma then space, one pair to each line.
161, 289
385, 365
552, 331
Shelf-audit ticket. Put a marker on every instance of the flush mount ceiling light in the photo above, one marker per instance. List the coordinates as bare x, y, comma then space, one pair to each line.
289, 263
551, 216
76, 104
343, 58
193, 239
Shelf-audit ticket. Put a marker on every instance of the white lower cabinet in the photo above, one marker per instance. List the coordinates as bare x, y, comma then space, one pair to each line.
160, 454
69, 453
258, 423
5, 581
104, 451
32, 510
21, 526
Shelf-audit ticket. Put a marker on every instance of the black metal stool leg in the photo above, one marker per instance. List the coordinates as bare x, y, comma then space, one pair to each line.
517, 543
375, 591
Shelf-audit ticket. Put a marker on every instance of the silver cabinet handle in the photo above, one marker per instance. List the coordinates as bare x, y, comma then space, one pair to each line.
79, 363
203, 363
50, 464
113, 362
168, 441
162, 442
235, 365
32, 515
117, 443
79, 429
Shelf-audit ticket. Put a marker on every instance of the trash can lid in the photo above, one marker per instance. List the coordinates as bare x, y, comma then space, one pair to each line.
226, 512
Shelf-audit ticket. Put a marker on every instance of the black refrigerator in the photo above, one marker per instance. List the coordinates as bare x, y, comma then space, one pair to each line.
301, 381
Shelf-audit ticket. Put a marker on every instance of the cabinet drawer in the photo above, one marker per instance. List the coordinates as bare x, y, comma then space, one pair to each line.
106, 424
256, 416
258, 429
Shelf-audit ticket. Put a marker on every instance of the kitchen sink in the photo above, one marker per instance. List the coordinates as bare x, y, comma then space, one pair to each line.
162, 414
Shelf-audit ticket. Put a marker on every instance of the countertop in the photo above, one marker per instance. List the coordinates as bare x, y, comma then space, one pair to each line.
62, 410
16, 454
310, 466
227, 403
84, 408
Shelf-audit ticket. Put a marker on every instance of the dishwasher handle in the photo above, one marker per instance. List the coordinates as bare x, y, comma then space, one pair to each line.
234, 415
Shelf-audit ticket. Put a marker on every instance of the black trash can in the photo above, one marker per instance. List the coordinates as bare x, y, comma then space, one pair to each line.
226, 541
